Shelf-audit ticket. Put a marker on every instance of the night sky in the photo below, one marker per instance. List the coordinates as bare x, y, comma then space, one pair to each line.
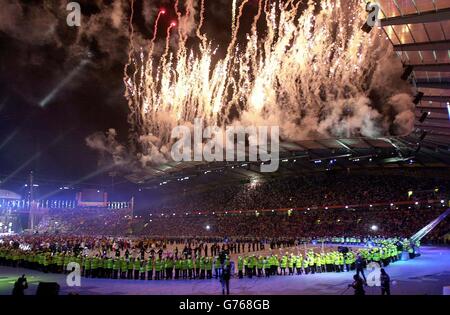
38, 51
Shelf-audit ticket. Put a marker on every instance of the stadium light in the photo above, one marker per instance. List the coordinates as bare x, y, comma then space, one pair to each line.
374, 228
407, 72
422, 136
424, 116
418, 98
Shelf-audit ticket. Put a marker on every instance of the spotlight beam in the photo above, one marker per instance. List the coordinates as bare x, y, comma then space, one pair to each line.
62, 84
84, 178
9, 138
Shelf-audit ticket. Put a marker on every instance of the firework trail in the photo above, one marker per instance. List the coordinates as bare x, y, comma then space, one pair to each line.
200, 23
236, 28
233, 16
155, 29
311, 71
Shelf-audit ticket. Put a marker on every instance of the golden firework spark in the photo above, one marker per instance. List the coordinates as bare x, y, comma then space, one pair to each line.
308, 59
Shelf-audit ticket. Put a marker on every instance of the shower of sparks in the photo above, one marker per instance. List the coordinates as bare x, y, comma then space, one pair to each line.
308, 65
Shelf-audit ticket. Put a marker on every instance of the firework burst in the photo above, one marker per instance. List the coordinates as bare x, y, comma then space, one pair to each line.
310, 71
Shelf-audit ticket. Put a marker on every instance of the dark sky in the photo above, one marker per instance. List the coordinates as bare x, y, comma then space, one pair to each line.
38, 51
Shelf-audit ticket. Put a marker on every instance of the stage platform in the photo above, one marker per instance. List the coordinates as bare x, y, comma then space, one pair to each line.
427, 274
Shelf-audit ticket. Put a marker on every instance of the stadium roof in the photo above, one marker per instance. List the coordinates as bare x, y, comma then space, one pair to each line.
419, 31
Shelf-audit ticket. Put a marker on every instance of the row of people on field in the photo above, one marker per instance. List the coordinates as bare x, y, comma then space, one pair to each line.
201, 267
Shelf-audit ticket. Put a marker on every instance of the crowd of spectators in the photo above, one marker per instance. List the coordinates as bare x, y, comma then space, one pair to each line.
314, 223
323, 205
86, 221
394, 221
